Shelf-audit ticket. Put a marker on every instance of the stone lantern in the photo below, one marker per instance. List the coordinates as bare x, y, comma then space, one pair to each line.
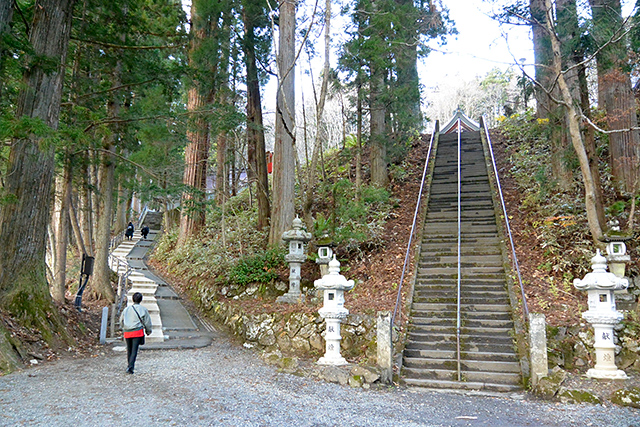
296, 238
325, 254
333, 285
602, 314
617, 256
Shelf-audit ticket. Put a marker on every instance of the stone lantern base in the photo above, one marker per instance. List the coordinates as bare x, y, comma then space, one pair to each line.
605, 367
291, 298
601, 374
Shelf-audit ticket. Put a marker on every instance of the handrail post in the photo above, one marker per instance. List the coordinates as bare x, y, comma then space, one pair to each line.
459, 245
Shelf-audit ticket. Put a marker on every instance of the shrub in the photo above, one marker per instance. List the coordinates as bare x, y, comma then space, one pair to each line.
258, 268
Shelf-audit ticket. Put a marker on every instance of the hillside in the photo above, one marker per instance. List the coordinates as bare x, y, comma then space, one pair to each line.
375, 265
377, 268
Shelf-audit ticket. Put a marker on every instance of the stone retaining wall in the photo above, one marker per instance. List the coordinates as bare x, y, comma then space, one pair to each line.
296, 334
572, 347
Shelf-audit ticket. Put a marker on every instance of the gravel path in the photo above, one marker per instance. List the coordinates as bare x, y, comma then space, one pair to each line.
226, 385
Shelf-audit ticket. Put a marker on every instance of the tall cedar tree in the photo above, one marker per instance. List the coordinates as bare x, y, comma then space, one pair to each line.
615, 94
254, 18
284, 147
207, 68
387, 40
25, 215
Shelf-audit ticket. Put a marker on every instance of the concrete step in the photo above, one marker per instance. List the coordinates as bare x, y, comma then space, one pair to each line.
423, 316
504, 378
471, 347
476, 332
466, 322
423, 292
472, 365
469, 308
450, 337
470, 283
461, 385
451, 354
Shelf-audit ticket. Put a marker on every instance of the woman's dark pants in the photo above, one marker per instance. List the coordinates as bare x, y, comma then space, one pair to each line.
132, 351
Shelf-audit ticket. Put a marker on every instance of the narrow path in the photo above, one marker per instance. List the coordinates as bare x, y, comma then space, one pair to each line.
173, 325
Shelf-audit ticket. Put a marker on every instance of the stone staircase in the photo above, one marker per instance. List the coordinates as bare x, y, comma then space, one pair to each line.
141, 283
153, 220
488, 358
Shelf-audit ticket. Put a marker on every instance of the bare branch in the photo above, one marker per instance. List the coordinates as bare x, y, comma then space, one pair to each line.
112, 89
607, 132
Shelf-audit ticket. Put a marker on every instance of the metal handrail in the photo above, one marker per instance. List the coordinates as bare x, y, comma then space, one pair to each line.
413, 225
458, 322
506, 220
117, 265
143, 215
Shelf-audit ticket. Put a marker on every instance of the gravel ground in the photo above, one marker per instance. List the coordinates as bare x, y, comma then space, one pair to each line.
227, 385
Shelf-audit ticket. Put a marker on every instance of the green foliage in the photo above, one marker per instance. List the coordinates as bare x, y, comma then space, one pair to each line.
385, 39
258, 268
229, 252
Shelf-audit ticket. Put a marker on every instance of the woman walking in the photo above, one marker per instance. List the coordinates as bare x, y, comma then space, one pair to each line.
135, 321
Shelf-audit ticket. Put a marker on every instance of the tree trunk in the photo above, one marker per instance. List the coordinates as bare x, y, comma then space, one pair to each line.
379, 173
94, 184
63, 194
24, 291
86, 211
101, 284
542, 56
256, 155
196, 160
75, 225
196, 157
284, 147
101, 287
312, 172
222, 169
590, 140
359, 114
573, 119
615, 95
121, 211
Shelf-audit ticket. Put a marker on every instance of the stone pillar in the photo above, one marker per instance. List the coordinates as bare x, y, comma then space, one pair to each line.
385, 347
538, 347
602, 314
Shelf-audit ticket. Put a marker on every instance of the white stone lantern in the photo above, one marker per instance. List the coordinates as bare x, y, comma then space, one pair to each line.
333, 311
602, 314
296, 238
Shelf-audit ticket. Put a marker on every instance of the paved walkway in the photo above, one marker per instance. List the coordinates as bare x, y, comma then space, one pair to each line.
173, 325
